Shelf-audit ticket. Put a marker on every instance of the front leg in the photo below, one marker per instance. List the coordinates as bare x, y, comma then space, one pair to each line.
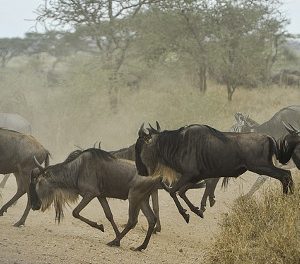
178, 185
182, 194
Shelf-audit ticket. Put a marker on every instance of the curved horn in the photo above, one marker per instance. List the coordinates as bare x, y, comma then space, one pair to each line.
142, 131
297, 131
95, 144
99, 145
37, 163
289, 129
158, 126
152, 129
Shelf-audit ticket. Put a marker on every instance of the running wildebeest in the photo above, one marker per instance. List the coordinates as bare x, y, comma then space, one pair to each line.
16, 156
94, 173
199, 152
17, 123
208, 184
273, 127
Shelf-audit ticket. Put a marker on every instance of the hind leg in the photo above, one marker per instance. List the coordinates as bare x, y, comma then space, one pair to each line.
151, 218
134, 208
25, 214
209, 192
17, 195
83, 203
155, 204
4, 180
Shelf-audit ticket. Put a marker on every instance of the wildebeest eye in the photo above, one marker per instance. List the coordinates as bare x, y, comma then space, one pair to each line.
148, 139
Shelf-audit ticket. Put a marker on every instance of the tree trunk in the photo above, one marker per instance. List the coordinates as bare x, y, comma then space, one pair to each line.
113, 92
230, 90
202, 84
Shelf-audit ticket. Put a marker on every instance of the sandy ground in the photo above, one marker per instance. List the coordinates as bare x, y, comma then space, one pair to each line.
72, 241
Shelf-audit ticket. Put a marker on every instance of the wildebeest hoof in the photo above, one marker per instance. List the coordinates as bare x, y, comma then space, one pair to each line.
2, 212
114, 243
156, 230
203, 208
186, 217
100, 227
199, 213
212, 202
140, 248
18, 224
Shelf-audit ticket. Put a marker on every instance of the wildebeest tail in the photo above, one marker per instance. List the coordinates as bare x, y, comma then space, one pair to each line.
225, 182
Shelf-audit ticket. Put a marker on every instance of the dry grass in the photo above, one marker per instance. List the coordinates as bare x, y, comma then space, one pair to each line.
260, 231
76, 110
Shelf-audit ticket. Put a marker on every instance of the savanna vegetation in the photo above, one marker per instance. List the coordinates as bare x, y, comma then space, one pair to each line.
265, 230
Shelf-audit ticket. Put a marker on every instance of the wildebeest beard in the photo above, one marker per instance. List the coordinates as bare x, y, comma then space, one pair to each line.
57, 193
57, 185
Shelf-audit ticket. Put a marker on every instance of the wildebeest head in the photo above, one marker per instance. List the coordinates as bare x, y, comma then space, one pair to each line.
145, 149
43, 193
34, 185
289, 145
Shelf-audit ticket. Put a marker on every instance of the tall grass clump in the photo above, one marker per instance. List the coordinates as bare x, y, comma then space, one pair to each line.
265, 230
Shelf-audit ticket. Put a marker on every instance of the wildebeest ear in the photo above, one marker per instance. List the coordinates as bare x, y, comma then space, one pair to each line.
142, 131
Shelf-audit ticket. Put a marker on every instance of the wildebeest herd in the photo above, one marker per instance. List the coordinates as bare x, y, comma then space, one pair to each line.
190, 157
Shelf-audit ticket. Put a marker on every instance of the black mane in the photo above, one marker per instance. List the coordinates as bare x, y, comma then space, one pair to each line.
102, 154
140, 166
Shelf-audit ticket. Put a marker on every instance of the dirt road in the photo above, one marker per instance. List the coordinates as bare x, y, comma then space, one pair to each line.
72, 241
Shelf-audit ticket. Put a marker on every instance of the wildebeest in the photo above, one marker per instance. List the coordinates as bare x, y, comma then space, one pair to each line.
198, 152
273, 127
16, 156
94, 173
17, 123
210, 185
